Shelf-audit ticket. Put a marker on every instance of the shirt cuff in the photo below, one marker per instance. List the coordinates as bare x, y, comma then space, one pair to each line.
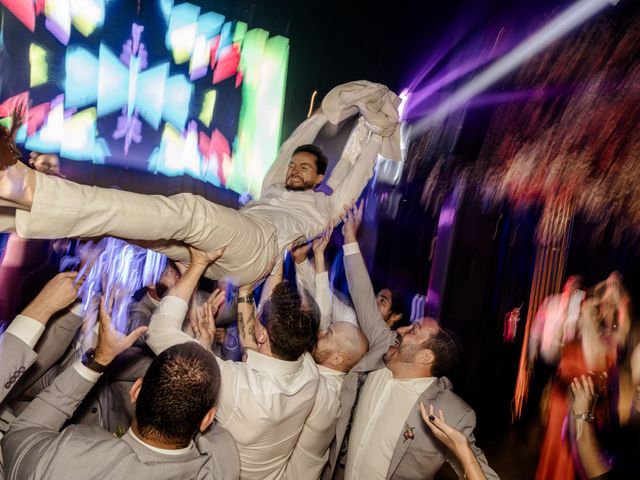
351, 248
86, 373
26, 329
77, 309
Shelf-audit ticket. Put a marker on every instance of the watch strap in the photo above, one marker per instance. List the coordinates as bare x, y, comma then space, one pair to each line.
89, 361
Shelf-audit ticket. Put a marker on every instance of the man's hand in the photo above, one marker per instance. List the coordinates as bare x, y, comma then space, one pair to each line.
204, 259
352, 218
321, 241
58, 293
204, 327
583, 394
299, 252
112, 343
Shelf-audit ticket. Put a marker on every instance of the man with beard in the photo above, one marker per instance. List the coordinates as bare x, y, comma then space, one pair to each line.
289, 208
385, 438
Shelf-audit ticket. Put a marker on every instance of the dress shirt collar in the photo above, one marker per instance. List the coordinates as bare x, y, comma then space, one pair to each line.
329, 372
163, 451
259, 361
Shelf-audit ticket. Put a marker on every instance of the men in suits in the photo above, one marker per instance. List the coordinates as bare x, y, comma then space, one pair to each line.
288, 209
17, 343
171, 436
385, 438
265, 400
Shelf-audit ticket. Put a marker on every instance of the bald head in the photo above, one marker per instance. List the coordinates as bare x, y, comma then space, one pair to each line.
340, 346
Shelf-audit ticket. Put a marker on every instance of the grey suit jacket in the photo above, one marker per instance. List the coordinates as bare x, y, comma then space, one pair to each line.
34, 448
16, 358
416, 458
51, 347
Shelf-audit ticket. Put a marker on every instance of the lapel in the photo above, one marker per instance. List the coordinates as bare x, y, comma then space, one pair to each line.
414, 422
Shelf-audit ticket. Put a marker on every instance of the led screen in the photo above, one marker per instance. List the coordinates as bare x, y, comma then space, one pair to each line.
157, 85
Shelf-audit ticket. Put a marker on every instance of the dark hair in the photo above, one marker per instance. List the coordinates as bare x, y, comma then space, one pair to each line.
446, 349
321, 158
179, 388
399, 307
290, 328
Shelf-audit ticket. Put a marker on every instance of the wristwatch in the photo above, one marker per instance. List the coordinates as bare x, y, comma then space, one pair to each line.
586, 416
248, 299
89, 361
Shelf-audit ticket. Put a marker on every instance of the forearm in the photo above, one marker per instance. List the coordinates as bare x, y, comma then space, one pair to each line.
165, 327
323, 299
246, 323
362, 294
305, 276
472, 470
185, 286
57, 403
590, 452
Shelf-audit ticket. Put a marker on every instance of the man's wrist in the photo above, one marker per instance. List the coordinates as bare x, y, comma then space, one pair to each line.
40, 311
96, 360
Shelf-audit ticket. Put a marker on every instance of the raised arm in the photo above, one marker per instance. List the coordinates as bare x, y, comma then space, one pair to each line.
18, 341
33, 436
322, 290
360, 288
354, 182
165, 327
589, 450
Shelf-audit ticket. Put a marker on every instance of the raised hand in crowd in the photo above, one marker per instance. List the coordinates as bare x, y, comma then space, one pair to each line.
204, 326
351, 220
299, 251
454, 440
57, 294
112, 343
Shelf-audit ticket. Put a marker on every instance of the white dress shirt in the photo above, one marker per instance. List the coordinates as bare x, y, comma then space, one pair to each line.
381, 413
312, 450
332, 309
263, 403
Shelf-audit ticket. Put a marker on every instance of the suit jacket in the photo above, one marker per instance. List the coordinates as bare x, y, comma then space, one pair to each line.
108, 404
51, 347
34, 448
16, 357
423, 455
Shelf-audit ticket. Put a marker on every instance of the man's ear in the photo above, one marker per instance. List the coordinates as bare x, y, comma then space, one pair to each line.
135, 391
426, 358
319, 180
337, 359
208, 419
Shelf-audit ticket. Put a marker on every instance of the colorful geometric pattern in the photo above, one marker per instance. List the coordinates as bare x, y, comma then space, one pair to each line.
110, 105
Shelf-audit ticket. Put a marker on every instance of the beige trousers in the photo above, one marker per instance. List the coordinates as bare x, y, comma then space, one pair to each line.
165, 224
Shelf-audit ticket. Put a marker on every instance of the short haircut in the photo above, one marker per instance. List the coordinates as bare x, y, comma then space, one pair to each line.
399, 307
291, 328
446, 349
179, 388
321, 158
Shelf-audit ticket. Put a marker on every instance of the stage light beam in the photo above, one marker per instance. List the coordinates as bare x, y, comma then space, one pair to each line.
555, 29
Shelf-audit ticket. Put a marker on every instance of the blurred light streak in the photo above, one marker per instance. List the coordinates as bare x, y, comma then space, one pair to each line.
555, 29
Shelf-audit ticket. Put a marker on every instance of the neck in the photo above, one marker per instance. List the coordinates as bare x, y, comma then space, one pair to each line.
154, 442
339, 368
403, 371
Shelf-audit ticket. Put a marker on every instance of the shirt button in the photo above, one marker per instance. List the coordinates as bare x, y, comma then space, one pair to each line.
94, 410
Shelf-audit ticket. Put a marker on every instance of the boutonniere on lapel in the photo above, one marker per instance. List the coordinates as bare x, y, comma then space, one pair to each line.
408, 433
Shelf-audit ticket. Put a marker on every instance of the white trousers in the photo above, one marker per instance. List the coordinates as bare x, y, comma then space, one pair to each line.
165, 224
